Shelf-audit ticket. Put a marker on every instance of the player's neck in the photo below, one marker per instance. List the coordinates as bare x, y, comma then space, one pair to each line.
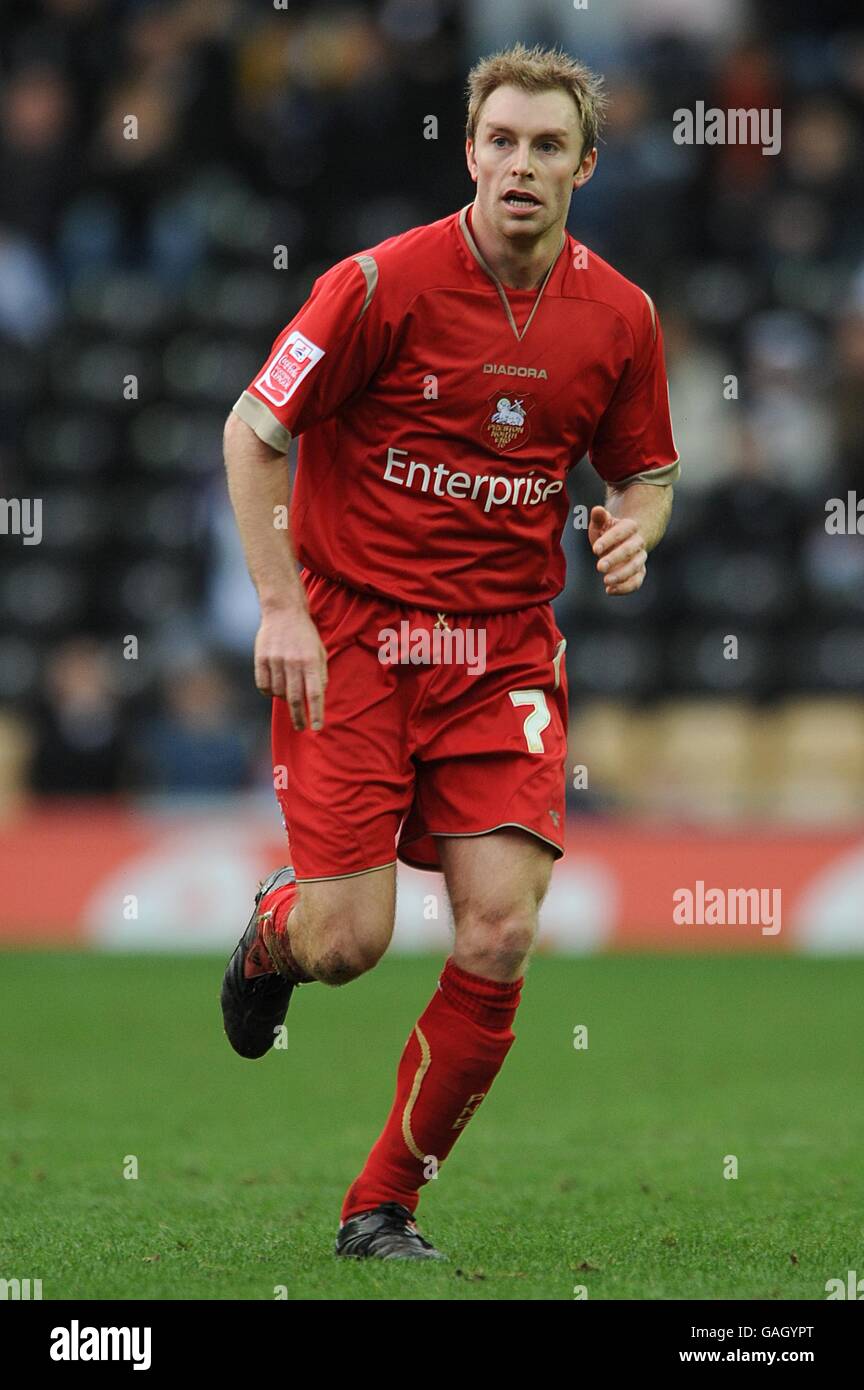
518, 268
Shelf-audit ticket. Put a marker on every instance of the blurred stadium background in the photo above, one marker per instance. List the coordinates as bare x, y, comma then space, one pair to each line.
143, 772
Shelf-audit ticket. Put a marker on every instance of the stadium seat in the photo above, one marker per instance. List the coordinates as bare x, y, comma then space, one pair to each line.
70, 442
701, 760
239, 300
616, 663
98, 374
74, 520
196, 366
816, 748
607, 738
130, 304
176, 440
41, 594
701, 660
750, 585
15, 745
19, 669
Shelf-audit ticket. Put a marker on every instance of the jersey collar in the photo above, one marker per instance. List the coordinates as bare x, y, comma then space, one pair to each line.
502, 293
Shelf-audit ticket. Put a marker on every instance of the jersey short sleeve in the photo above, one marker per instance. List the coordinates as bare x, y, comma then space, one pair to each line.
633, 441
328, 352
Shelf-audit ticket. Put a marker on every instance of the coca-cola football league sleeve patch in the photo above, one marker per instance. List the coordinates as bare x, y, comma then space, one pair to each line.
319, 359
633, 441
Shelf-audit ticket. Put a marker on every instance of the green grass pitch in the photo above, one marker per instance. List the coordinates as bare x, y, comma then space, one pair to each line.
600, 1167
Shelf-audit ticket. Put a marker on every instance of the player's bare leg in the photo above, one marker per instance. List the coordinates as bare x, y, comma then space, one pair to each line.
496, 883
330, 930
340, 928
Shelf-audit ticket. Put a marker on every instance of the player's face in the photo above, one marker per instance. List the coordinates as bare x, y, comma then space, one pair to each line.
529, 142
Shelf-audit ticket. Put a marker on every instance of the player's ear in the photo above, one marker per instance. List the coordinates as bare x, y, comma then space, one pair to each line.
586, 169
470, 160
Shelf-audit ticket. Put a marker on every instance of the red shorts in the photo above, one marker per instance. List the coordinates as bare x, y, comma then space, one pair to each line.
470, 737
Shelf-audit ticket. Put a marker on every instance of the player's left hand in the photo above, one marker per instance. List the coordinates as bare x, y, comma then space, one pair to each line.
620, 549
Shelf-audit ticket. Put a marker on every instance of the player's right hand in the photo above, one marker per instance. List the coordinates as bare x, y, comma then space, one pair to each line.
291, 664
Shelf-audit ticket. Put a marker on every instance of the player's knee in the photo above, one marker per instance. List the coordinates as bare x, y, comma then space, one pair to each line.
343, 954
496, 941
341, 939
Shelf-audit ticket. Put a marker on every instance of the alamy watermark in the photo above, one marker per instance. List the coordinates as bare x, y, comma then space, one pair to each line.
738, 126
21, 516
440, 645
721, 907
845, 517
851, 1287
19, 1290
77, 1343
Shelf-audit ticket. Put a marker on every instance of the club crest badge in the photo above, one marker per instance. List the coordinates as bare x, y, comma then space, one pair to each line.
507, 425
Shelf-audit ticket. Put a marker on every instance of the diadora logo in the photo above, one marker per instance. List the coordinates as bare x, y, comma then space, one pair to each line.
499, 369
287, 368
506, 425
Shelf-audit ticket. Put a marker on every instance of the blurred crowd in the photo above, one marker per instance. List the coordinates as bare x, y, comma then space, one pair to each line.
153, 153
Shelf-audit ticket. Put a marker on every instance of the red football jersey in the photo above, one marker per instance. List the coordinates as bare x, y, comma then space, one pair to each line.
440, 413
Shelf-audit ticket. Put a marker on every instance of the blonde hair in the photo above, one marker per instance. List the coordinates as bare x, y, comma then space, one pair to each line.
538, 70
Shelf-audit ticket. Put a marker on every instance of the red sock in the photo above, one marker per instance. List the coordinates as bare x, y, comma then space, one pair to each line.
450, 1060
276, 906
